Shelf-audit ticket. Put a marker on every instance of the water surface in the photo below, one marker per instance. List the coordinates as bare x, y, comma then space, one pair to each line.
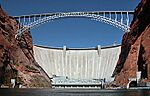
73, 92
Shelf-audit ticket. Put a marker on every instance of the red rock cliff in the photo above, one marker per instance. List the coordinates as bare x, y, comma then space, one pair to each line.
16, 56
135, 51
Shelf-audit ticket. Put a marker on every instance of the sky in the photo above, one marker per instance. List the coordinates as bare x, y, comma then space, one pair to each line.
71, 32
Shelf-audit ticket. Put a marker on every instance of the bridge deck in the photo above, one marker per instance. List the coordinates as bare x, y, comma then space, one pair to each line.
91, 12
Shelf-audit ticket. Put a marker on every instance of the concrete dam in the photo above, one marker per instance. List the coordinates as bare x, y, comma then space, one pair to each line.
78, 66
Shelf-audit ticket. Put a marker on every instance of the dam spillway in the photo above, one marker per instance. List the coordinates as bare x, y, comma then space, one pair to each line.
78, 63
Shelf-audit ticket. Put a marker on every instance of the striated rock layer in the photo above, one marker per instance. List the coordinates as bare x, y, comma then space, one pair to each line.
135, 50
16, 56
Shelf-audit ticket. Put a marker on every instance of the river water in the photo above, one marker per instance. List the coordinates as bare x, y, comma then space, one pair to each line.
72, 92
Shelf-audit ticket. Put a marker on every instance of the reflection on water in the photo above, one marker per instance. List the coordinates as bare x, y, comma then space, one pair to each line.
72, 92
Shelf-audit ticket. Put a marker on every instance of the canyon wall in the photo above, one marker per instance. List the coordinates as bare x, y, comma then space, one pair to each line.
135, 49
16, 56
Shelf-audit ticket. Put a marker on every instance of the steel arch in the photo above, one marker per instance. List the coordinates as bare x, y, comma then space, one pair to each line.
100, 18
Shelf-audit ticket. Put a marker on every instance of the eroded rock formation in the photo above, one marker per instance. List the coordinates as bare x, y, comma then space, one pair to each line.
16, 56
135, 51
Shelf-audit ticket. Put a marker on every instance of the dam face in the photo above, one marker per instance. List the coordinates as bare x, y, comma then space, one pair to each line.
78, 64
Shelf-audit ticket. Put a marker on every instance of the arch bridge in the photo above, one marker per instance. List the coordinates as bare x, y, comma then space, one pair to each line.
119, 19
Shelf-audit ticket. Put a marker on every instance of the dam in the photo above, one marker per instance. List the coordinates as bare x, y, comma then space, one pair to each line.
78, 66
